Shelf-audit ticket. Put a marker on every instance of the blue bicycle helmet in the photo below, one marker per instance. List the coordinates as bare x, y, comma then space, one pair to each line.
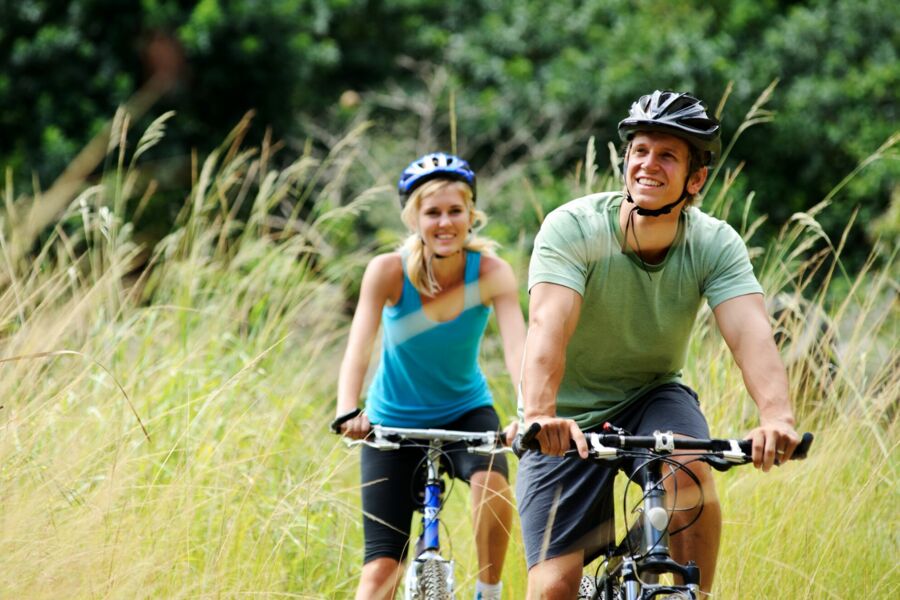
678, 114
432, 166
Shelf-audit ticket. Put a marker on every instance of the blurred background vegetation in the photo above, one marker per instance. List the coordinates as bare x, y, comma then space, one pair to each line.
173, 269
529, 83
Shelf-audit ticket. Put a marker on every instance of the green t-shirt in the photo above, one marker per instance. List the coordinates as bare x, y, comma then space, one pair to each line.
634, 329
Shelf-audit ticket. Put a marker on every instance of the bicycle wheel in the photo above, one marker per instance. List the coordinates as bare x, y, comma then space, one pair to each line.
593, 588
587, 590
434, 580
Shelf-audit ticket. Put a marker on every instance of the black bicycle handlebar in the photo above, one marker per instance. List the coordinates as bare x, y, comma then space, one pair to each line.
527, 441
733, 449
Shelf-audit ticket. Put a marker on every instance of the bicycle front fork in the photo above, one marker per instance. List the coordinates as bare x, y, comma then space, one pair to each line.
654, 538
636, 587
655, 514
429, 575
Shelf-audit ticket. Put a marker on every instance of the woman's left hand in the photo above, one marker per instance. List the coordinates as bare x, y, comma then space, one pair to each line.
356, 428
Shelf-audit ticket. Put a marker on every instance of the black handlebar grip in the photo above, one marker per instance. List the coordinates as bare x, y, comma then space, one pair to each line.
527, 440
338, 421
802, 448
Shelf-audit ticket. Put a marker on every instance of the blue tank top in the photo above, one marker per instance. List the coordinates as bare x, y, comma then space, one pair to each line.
429, 373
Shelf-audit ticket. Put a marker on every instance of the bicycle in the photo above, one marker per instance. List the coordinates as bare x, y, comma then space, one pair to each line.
631, 568
429, 575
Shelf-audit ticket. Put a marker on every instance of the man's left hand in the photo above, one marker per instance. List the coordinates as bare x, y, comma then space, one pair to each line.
773, 443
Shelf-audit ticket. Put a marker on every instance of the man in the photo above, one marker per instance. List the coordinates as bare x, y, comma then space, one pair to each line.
615, 281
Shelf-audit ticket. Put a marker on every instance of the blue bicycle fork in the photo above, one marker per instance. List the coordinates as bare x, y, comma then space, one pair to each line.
430, 523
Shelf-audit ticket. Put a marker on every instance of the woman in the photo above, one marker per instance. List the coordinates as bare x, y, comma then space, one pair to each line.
433, 298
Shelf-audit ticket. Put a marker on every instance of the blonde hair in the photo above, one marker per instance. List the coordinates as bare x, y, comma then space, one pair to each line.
418, 266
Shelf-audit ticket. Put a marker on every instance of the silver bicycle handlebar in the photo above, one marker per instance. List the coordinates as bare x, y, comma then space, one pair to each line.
390, 438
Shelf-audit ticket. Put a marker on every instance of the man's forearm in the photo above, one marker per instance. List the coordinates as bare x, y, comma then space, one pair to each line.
766, 380
771, 400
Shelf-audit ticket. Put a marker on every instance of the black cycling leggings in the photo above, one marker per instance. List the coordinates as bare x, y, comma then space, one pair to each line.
393, 483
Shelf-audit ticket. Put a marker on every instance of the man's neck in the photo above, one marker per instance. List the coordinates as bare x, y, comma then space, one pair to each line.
649, 237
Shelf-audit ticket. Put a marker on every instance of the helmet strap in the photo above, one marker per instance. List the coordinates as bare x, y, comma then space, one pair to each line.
656, 212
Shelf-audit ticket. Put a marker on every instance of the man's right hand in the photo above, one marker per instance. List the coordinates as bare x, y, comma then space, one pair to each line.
556, 436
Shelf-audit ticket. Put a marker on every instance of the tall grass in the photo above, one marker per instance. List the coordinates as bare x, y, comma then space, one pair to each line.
162, 433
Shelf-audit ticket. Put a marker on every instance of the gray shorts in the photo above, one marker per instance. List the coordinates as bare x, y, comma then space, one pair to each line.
573, 498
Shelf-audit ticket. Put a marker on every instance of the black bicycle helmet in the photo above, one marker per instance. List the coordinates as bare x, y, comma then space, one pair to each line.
432, 166
678, 114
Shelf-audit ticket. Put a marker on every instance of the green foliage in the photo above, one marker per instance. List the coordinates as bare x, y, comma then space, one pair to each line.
63, 72
528, 79
837, 103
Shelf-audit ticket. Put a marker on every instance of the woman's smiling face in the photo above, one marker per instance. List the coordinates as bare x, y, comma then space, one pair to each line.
444, 220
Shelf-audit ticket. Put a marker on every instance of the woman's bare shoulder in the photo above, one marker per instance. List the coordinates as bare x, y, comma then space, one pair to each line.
496, 275
491, 263
384, 274
389, 263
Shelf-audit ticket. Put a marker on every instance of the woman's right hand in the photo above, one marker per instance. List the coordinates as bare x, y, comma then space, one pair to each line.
510, 432
356, 428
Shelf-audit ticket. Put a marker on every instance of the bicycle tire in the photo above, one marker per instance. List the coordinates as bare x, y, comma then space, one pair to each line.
433, 584
587, 589
594, 588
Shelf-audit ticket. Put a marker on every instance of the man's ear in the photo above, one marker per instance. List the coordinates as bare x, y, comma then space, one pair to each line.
696, 180
625, 161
